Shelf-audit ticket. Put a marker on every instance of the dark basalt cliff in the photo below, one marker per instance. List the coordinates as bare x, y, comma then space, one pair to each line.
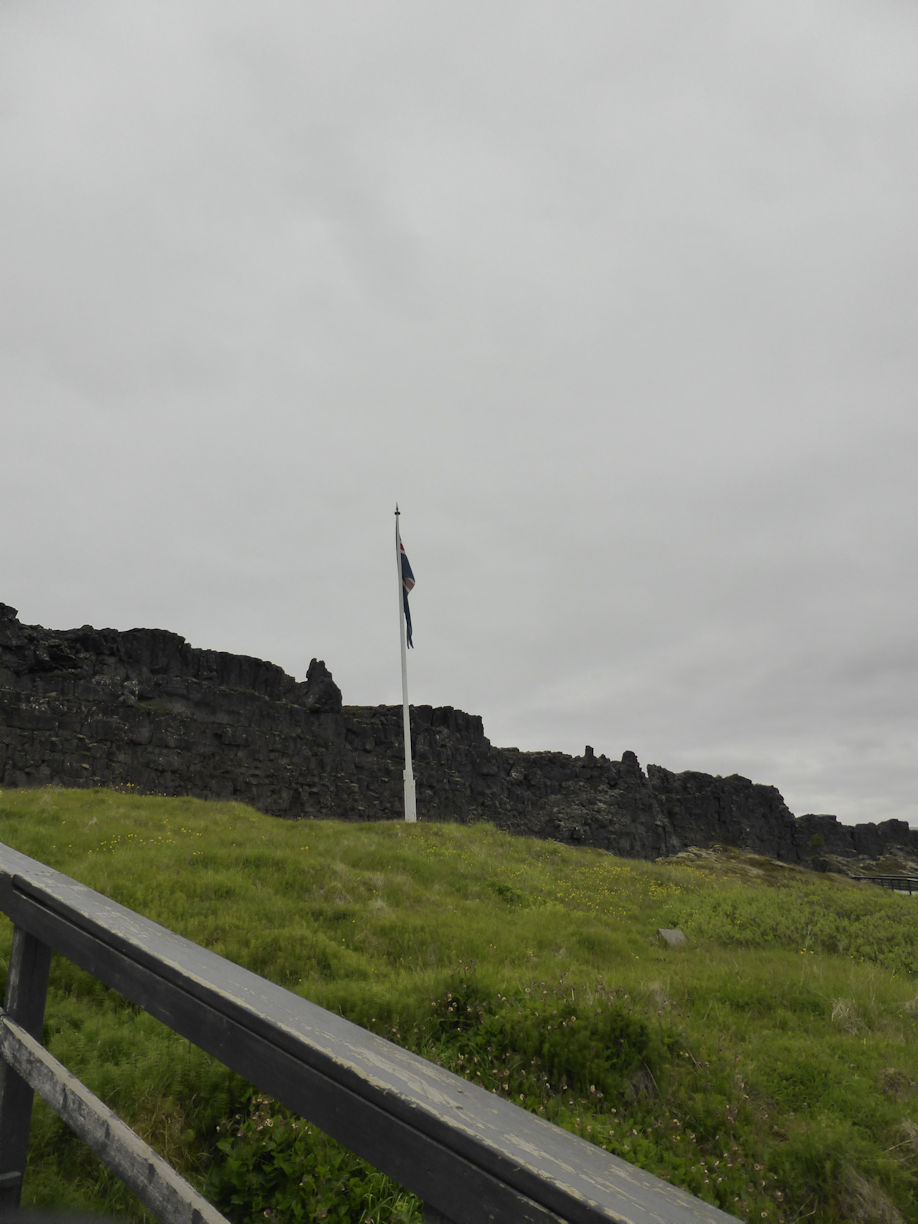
100, 707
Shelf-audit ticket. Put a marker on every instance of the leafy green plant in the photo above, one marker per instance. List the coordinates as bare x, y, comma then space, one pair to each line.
279, 1167
537, 1041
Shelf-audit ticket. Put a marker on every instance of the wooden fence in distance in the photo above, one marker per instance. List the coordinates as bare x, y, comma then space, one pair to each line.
898, 883
470, 1155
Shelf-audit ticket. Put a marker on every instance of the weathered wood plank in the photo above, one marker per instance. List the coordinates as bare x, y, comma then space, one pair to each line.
434, 1217
466, 1152
26, 991
171, 1199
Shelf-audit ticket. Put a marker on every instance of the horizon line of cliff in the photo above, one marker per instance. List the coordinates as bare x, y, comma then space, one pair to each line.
141, 707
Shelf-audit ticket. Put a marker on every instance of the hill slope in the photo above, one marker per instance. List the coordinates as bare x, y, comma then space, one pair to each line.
769, 1065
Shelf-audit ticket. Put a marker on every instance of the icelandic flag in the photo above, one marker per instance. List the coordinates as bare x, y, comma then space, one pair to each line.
407, 585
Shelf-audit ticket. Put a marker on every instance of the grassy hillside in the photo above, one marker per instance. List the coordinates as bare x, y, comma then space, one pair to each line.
769, 1065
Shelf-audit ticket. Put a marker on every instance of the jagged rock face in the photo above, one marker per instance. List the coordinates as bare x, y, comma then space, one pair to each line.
99, 707
728, 811
818, 834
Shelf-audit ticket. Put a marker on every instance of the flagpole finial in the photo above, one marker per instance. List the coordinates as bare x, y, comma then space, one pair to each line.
397, 511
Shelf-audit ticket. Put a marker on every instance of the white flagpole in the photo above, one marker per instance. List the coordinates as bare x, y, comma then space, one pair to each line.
410, 809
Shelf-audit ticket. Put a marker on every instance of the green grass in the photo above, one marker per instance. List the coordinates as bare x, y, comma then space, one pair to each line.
769, 1065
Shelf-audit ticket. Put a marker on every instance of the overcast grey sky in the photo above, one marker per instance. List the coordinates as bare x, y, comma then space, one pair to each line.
617, 300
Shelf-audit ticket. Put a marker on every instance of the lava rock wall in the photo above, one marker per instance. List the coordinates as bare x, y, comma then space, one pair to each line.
142, 708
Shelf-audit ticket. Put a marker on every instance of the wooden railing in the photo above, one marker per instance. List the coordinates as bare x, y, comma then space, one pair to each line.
899, 883
468, 1154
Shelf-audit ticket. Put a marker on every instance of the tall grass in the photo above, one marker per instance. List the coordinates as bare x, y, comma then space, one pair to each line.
768, 1065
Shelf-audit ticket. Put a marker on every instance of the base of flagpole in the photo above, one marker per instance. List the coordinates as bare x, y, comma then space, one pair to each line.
411, 814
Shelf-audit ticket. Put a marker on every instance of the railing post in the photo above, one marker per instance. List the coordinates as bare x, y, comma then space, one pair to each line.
26, 991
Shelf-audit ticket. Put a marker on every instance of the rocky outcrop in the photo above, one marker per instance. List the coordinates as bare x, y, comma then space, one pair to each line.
100, 707
818, 835
707, 811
